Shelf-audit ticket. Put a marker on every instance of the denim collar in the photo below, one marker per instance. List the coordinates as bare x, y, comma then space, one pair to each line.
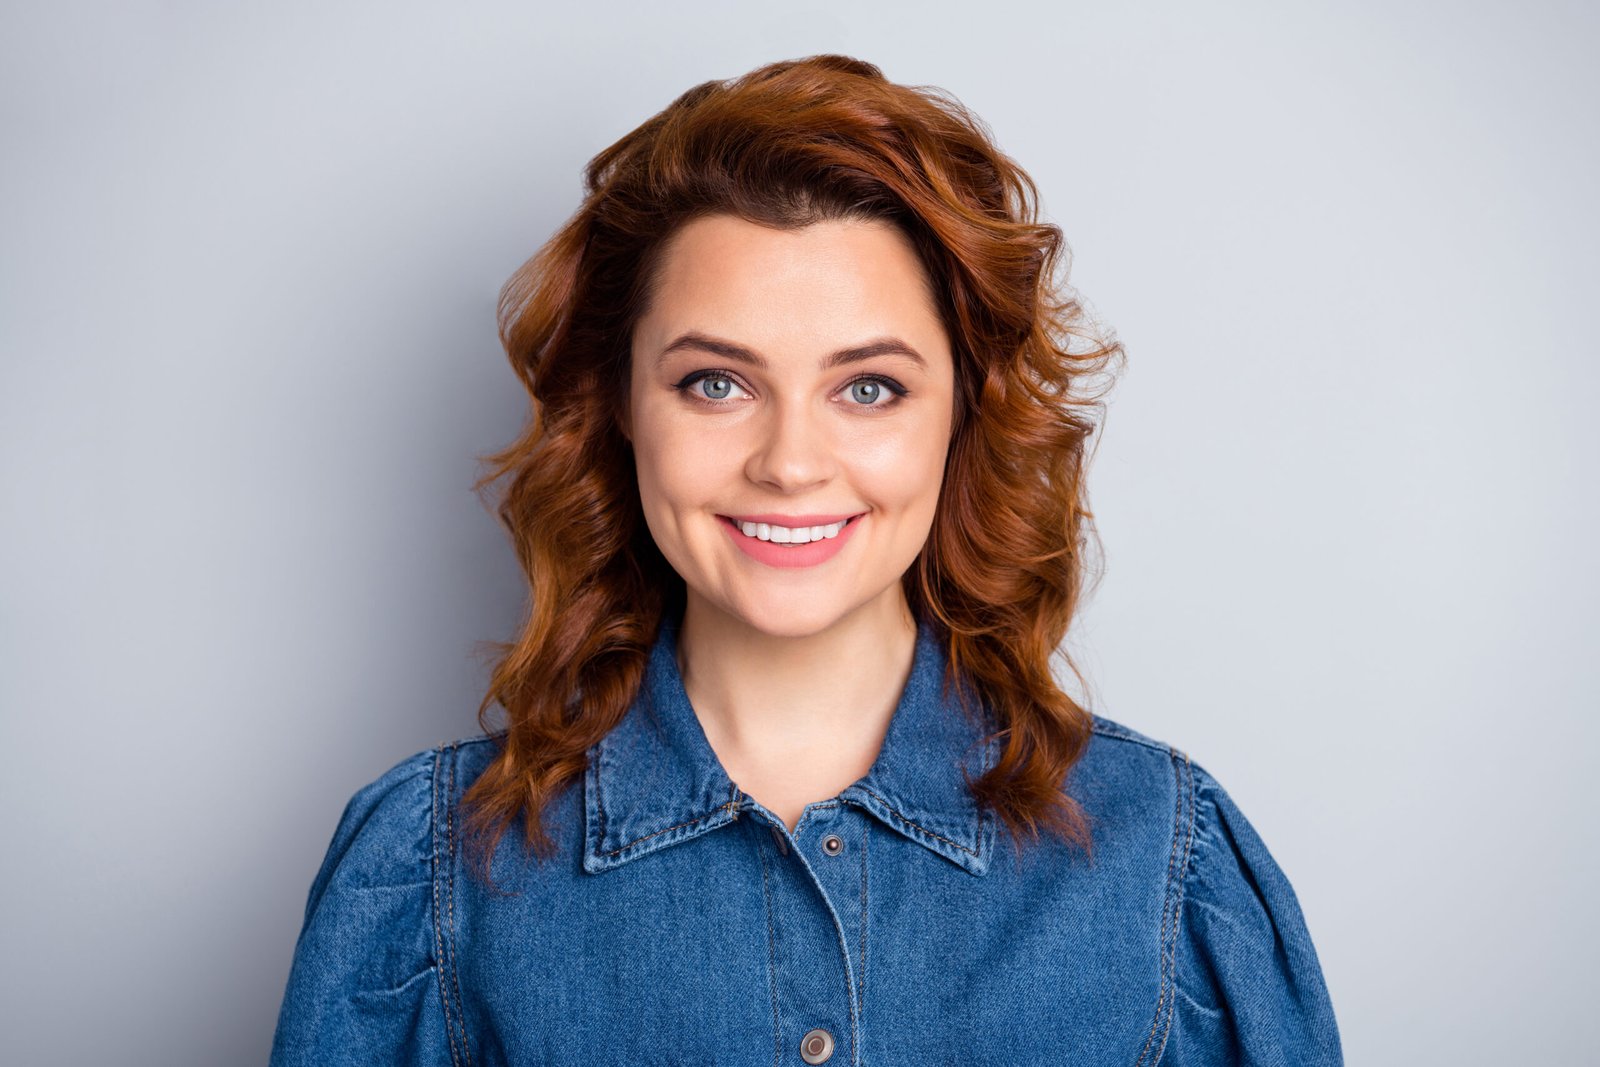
654, 781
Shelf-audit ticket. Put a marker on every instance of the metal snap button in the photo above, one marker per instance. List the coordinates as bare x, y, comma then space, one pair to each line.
833, 844
816, 1046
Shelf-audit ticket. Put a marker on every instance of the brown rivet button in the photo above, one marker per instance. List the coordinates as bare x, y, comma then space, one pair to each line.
816, 1046
833, 844
783, 847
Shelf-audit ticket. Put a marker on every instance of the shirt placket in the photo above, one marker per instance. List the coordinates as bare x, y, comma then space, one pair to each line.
816, 896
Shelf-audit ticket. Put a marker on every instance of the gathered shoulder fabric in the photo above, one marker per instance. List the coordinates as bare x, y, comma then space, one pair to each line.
364, 985
1250, 987
681, 922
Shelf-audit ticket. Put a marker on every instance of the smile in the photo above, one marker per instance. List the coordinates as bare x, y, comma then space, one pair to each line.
790, 535
784, 546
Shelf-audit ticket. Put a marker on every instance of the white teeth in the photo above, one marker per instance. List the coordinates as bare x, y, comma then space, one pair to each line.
784, 535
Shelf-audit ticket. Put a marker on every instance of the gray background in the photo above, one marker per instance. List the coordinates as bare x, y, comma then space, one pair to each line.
248, 266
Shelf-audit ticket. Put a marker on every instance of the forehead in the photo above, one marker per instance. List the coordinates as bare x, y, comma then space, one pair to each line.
830, 280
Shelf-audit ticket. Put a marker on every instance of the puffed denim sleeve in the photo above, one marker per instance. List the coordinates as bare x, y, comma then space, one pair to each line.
363, 987
1249, 987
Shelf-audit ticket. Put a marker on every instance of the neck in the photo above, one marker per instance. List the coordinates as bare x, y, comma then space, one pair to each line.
803, 716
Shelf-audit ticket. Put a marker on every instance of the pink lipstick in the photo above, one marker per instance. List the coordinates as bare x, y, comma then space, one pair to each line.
775, 554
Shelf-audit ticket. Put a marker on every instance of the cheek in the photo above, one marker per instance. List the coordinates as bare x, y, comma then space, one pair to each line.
903, 471
678, 466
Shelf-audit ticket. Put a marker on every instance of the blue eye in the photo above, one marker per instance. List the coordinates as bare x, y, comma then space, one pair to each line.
869, 388
721, 386
866, 391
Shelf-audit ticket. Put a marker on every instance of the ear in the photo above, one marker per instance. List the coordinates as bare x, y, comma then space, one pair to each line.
624, 420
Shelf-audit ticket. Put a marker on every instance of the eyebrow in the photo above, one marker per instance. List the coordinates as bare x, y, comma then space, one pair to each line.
883, 346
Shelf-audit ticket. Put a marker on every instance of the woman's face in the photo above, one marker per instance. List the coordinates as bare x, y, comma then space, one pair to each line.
800, 375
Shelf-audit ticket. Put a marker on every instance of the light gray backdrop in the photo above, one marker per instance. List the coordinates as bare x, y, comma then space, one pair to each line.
248, 261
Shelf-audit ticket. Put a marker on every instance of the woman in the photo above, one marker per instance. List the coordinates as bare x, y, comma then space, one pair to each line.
785, 775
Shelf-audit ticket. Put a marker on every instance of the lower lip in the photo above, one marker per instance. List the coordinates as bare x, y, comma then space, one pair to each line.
778, 555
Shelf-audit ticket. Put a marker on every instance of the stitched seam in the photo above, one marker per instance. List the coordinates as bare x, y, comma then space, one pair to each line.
772, 961
897, 814
1116, 734
1183, 878
455, 972
730, 807
855, 1016
861, 982
600, 796
1166, 904
438, 937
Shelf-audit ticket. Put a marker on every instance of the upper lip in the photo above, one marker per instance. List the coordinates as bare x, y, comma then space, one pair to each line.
773, 519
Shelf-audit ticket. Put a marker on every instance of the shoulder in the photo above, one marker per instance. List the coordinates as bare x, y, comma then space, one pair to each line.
1121, 750
1124, 774
385, 833
1128, 781
1112, 740
1236, 947
396, 798
1219, 861
363, 986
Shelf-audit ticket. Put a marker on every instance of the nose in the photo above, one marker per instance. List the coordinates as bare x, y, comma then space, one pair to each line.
793, 449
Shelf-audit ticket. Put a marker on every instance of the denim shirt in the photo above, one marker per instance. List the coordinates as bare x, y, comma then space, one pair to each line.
683, 923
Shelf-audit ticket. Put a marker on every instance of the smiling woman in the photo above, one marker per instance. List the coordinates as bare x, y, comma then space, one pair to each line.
835, 403
802, 512
840, 413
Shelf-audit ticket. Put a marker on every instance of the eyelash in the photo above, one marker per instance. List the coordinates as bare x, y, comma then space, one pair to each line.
895, 388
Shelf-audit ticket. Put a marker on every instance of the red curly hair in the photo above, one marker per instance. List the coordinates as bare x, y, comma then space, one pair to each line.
1004, 566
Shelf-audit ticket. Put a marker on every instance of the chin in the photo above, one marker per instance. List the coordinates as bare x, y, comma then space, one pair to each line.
779, 619
798, 612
